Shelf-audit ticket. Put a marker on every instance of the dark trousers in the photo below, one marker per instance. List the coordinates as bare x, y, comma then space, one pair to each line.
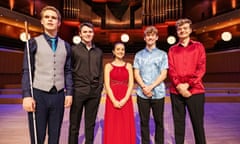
144, 107
90, 105
48, 115
195, 106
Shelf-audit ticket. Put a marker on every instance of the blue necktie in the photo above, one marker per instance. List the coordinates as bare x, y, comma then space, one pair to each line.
53, 44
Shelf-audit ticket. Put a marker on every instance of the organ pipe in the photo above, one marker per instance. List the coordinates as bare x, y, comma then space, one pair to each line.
159, 11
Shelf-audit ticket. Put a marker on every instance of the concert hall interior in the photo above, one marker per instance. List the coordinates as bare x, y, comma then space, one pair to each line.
216, 24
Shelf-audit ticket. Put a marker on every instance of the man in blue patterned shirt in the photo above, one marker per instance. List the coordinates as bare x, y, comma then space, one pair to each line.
150, 71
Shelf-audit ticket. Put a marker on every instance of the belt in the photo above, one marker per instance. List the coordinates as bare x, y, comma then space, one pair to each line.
54, 90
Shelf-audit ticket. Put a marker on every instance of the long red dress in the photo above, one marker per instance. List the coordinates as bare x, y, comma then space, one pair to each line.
119, 124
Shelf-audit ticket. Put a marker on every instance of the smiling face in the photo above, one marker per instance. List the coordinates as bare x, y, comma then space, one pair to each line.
50, 21
86, 33
150, 39
151, 36
184, 28
184, 31
119, 50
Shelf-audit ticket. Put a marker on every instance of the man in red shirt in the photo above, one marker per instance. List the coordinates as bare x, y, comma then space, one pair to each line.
187, 66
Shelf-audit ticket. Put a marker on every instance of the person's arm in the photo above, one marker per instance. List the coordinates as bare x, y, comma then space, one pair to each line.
182, 88
162, 76
201, 66
138, 78
28, 102
130, 85
101, 72
163, 73
68, 77
108, 89
140, 82
173, 75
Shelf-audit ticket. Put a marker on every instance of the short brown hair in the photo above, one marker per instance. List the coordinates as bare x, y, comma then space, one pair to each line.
150, 30
88, 24
52, 9
183, 21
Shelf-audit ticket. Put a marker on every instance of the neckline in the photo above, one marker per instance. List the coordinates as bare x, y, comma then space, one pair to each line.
119, 65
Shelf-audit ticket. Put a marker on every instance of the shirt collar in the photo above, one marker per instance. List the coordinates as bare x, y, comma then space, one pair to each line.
153, 49
190, 42
84, 45
48, 37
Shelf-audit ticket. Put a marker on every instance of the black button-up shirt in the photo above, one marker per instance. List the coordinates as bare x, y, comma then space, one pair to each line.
87, 69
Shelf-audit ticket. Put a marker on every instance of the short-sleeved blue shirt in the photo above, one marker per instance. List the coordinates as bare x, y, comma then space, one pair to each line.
150, 64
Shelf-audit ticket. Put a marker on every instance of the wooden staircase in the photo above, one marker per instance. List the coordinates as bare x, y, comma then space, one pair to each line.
11, 94
222, 92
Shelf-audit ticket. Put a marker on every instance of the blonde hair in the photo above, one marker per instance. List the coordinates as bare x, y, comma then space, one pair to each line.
52, 9
183, 21
151, 30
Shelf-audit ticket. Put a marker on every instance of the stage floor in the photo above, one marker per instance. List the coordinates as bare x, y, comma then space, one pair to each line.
221, 125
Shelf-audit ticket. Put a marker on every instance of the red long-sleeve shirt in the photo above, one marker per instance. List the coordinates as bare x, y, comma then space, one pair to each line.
187, 65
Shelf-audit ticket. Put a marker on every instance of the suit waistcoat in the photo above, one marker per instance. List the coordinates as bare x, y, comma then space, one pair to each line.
49, 65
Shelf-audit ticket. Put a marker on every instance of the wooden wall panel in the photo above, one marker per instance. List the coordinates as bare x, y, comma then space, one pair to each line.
228, 61
221, 66
10, 67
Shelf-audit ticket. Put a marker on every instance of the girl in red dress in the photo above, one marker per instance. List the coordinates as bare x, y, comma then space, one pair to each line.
119, 124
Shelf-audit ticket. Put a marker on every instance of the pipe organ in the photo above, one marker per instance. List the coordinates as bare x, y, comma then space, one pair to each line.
159, 11
153, 11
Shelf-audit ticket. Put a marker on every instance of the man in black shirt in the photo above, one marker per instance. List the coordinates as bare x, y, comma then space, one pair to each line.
87, 72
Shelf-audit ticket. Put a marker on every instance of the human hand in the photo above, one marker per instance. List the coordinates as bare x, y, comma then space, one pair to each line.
183, 89
147, 91
116, 104
68, 101
182, 86
29, 104
149, 94
185, 93
122, 102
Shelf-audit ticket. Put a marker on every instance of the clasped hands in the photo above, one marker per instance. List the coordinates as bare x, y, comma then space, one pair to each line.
183, 90
119, 103
147, 90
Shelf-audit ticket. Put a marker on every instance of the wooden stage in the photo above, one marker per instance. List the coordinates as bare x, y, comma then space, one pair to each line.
222, 118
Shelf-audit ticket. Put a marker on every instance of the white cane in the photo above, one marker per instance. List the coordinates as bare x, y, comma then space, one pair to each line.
30, 80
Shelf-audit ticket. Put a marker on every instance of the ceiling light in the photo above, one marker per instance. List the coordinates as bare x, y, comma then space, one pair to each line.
171, 40
24, 37
76, 39
226, 36
124, 37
